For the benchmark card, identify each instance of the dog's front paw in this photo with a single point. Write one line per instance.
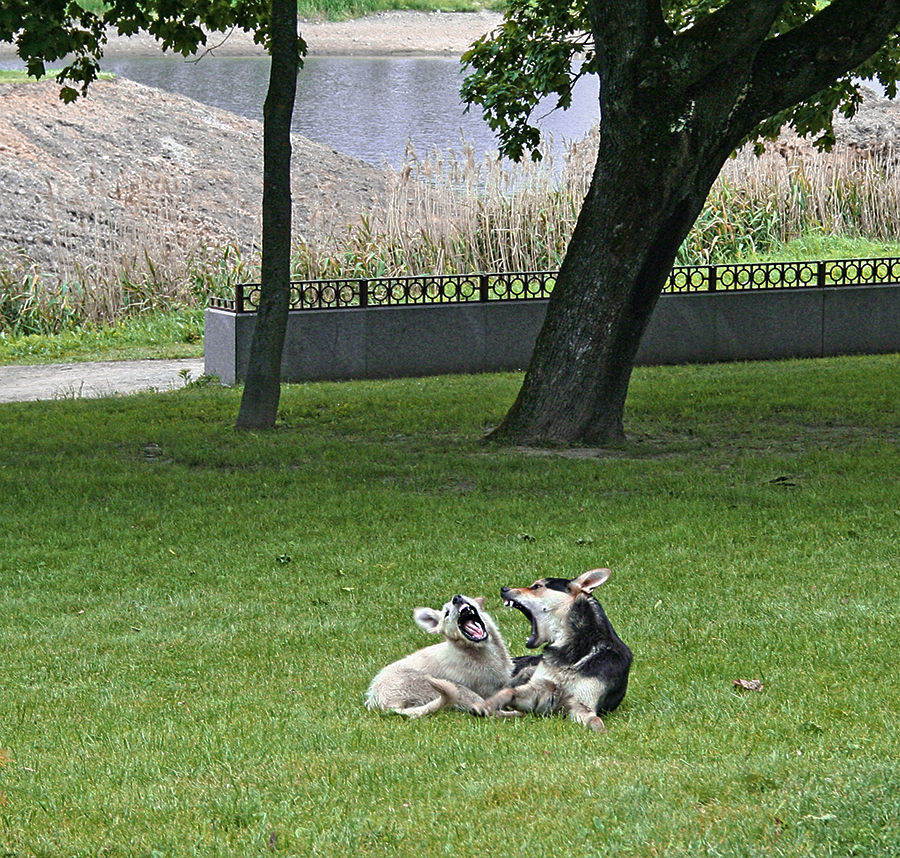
(482, 710)
(497, 701)
(596, 724)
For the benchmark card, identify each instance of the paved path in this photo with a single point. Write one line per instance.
(76, 380)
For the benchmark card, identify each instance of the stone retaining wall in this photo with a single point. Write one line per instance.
(493, 336)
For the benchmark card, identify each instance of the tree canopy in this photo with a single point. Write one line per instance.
(682, 85)
(45, 31)
(544, 46)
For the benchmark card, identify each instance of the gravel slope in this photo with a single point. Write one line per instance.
(131, 164)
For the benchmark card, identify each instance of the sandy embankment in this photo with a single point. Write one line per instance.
(80, 184)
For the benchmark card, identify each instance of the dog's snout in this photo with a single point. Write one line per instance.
(457, 599)
(504, 592)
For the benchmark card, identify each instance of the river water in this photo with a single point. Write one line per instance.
(365, 107)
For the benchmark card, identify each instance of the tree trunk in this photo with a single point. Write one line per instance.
(673, 107)
(654, 170)
(262, 385)
(616, 266)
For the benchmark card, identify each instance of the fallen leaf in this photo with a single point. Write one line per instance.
(749, 684)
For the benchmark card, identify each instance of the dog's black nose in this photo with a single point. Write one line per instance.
(457, 599)
(503, 592)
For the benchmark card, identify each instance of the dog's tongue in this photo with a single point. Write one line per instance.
(475, 631)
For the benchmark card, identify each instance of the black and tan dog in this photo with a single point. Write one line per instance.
(583, 669)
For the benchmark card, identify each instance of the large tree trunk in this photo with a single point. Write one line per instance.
(673, 106)
(655, 166)
(617, 263)
(262, 386)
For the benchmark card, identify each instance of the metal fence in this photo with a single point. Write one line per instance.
(530, 285)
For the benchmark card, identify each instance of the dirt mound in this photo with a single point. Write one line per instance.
(133, 166)
(873, 131)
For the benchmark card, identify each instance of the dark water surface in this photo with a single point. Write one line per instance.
(366, 107)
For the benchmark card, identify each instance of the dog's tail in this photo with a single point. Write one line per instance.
(456, 696)
(448, 697)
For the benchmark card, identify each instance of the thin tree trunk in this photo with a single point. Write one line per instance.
(262, 386)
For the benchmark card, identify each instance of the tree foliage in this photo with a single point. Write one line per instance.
(544, 46)
(45, 31)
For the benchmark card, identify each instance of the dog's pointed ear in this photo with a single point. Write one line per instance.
(428, 618)
(589, 581)
(479, 600)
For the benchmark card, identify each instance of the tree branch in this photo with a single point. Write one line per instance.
(733, 31)
(796, 65)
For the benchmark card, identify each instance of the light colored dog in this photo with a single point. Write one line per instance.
(471, 663)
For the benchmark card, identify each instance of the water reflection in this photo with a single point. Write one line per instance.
(366, 107)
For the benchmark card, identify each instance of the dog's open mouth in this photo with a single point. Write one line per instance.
(531, 643)
(470, 624)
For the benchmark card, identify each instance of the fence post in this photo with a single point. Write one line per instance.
(820, 274)
(713, 278)
(239, 298)
(363, 293)
(483, 287)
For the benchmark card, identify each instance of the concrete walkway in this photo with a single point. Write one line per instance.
(77, 380)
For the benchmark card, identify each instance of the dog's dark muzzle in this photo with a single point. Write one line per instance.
(508, 595)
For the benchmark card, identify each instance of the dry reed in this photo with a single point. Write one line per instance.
(445, 213)
(448, 213)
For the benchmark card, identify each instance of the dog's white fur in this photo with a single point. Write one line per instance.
(457, 672)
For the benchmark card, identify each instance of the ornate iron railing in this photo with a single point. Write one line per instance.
(530, 285)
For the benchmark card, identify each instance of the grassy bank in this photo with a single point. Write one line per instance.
(191, 616)
(163, 334)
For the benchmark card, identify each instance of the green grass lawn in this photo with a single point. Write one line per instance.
(191, 615)
(146, 336)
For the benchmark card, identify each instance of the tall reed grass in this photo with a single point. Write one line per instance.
(454, 213)
(760, 203)
(450, 213)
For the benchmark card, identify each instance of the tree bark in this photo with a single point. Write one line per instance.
(673, 107)
(262, 386)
